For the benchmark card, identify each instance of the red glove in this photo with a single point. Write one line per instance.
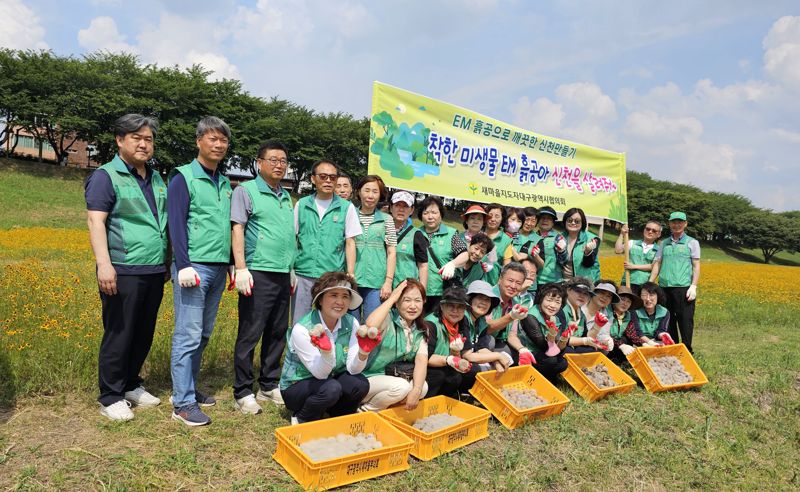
(459, 364)
(487, 267)
(319, 338)
(561, 243)
(602, 346)
(231, 277)
(526, 357)
(600, 319)
(518, 312)
(572, 328)
(666, 339)
(535, 251)
(367, 344)
(551, 325)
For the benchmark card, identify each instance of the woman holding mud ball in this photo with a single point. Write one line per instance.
(582, 247)
(397, 368)
(580, 291)
(653, 316)
(444, 244)
(541, 338)
(326, 352)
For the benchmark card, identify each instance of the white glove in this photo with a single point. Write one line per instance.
(590, 246)
(292, 281)
(508, 359)
(244, 281)
(448, 270)
(627, 349)
(691, 293)
(188, 277)
(561, 244)
(609, 344)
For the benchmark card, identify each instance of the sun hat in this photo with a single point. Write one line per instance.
(547, 211)
(355, 297)
(605, 286)
(636, 301)
(473, 209)
(677, 216)
(485, 289)
(581, 284)
(403, 196)
(455, 295)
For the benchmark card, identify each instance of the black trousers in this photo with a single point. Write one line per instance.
(549, 367)
(264, 316)
(681, 315)
(129, 322)
(443, 381)
(310, 398)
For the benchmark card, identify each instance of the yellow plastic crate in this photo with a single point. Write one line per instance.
(430, 445)
(638, 360)
(487, 391)
(584, 386)
(392, 457)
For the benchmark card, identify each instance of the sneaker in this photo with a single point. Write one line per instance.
(248, 405)
(201, 399)
(273, 395)
(296, 421)
(120, 411)
(191, 415)
(142, 398)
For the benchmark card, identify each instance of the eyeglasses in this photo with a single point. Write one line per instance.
(275, 161)
(573, 221)
(650, 229)
(327, 177)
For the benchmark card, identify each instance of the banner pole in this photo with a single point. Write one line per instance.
(627, 259)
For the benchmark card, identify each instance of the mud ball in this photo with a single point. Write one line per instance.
(669, 370)
(523, 399)
(437, 421)
(328, 448)
(599, 376)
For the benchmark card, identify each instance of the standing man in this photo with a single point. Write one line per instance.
(677, 266)
(264, 250)
(642, 254)
(326, 227)
(412, 244)
(126, 202)
(199, 209)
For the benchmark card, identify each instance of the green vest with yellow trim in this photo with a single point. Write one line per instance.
(269, 238)
(134, 236)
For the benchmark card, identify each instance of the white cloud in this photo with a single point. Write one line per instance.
(786, 135)
(588, 100)
(782, 51)
(20, 27)
(272, 24)
(541, 116)
(353, 21)
(102, 34)
(651, 125)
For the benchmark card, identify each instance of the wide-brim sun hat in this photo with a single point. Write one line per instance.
(473, 209)
(605, 286)
(636, 301)
(580, 284)
(355, 297)
(547, 211)
(455, 295)
(485, 289)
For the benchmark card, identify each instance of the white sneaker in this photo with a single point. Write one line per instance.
(141, 398)
(120, 411)
(273, 395)
(295, 421)
(248, 405)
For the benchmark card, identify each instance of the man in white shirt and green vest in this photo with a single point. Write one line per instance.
(199, 210)
(677, 267)
(264, 250)
(326, 227)
(126, 202)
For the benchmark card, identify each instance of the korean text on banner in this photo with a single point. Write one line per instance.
(428, 146)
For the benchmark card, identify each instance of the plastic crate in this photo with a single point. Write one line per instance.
(638, 360)
(392, 457)
(487, 391)
(430, 445)
(584, 386)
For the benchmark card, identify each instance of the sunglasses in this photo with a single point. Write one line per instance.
(650, 229)
(327, 177)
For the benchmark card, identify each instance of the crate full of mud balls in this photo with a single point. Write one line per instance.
(667, 368)
(594, 376)
(439, 425)
(518, 395)
(337, 451)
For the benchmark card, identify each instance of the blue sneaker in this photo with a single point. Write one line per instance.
(204, 400)
(191, 415)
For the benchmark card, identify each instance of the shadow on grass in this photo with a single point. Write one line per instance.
(754, 258)
(8, 388)
(43, 169)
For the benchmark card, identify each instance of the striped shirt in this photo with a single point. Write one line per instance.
(391, 233)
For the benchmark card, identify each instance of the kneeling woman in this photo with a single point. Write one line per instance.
(624, 328)
(397, 368)
(653, 316)
(325, 356)
(541, 338)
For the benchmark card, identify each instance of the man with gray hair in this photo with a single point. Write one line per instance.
(126, 202)
(509, 311)
(199, 210)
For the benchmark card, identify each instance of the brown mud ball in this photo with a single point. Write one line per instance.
(523, 398)
(599, 376)
(669, 370)
(328, 448)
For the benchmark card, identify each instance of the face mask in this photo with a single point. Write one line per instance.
(513, 227)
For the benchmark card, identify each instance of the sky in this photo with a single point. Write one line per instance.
(704, 93)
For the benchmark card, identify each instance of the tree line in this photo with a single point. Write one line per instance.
(62, 99)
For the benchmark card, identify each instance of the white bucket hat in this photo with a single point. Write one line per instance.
(355, 297)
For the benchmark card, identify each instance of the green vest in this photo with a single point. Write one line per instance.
(676, 263)
(293, 369)
(476, 328)
(578, 270)
(550, 271)
(639, 257)
(567, 310)
(209, 222)
(529, 240)
(371, 253)
(442, 336)
(134, 236)
(393, 347)
(498, 313)
(441, 244)
(501, 243)
(406, 261)
(269, 238)
(648, 326)
(618, 329)
(320, 243)
(474, 273)
(527, 342)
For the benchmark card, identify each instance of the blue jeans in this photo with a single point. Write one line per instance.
(195, 314)
(372, 299)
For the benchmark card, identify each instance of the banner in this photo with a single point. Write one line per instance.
(428, 146)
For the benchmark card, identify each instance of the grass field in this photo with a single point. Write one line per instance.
(741, 431)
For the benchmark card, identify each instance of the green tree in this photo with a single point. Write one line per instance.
(768, 232)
